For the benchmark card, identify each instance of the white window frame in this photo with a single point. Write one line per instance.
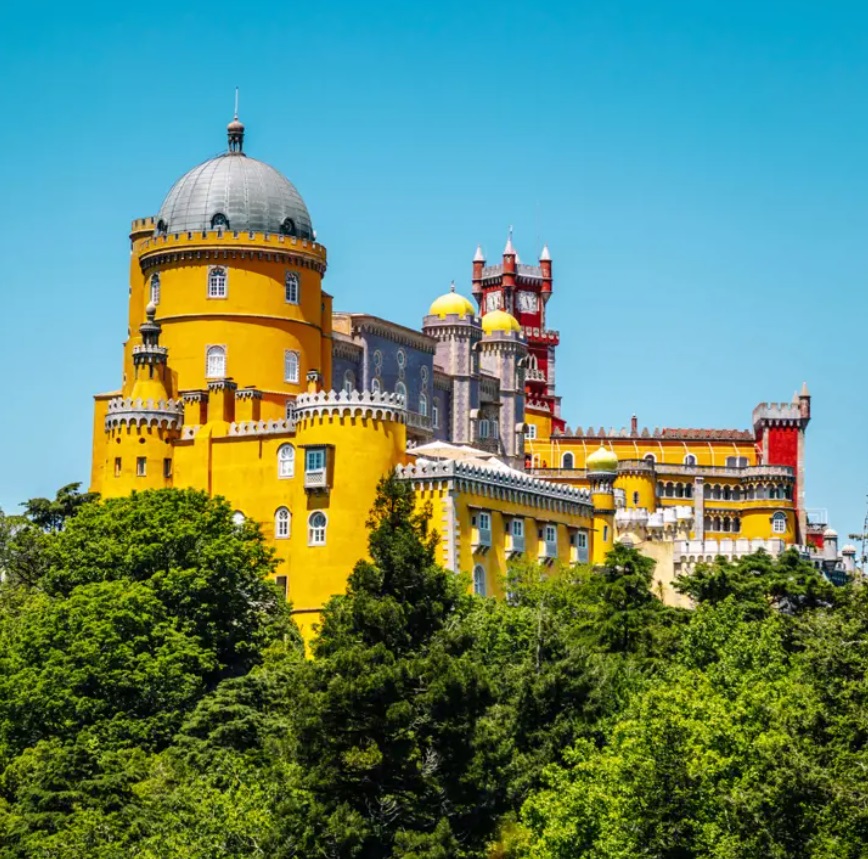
(141, 466)
(155, 288)
(289, 414)
(285, 461)
(376, 387)
(218, 282)
(581, 540)
(292, 287)
(531, 432)
(516, 527)
(779, 523)
(214, 351)
(291, 360)
(484, 520)
(550, 534)
(401, 391)
(349, 381)
(316, 534)
(317, 454)
(423, 405)
(282, 523)
(435, 415)
(479, 580)
(483, 428)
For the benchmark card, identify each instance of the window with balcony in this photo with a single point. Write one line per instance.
(515, 536)
(551, 534)
(316, 529)
(285, 461)
(315, 468)
(481, 523)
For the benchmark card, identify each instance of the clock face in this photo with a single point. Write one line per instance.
(527, 301)
(494, 301)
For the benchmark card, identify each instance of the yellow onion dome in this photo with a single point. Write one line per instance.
(602, 459)
(452, 304)
(499, 320)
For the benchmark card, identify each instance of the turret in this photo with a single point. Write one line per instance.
(478, 265)
(830, 545)
(545, 264)
(602, 468)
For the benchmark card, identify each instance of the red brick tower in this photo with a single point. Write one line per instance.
(780, 434)
(524, 291)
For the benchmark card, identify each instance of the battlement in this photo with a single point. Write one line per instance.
(370, 404)
(251, 428)
(231, 239)
(777, 412)
(497, 478)
(541, 335)
(138, 224)
(130, 412)
(666, 433)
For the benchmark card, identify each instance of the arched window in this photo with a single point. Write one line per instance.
(287, 228)
(779, 523)
(155, 289)
(435, 415)
(716, 493)
(316, 529)
(290, 287)
(688, 490)
(726, 524)
(479, 580)
(706, 492)
(376, 387)
(217, 282)
(568, 461)
(237, 518)
(290, 366)
(717, 523)
(219, 222)
(290, 410)
(649, 458)
(349, 381)
(401, 391)
(162, 228)
(727, 493)
(736, 525)
(690, 459)
(423, 405)
(670, 491)
(679, 490)
(661, 489)
(282, 523)
(285, 461)
(215, 362)
(401, 358)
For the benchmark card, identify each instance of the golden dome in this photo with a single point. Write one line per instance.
(452, 304)
(602, 459)
(499, 320)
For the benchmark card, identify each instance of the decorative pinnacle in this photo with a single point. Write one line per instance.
(151, 311)
(509, 249)
(805, 390)
(545, 256)
(235, 130)
(452, 286)
(479, 256)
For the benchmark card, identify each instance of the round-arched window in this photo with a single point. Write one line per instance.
(779, 523)
(285, 461)
(215, 362)
(282, 523)
(568, 461)
(219, 221)
(287, 228)
(479, 580)
(401, 391)
(316, 529)
(690, 459)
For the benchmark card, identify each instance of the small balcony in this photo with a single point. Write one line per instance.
(317, 480)
(548, 550)
(481, 539)
(515, 544)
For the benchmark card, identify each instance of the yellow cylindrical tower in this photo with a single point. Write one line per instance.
(141, 427)
(602, 471)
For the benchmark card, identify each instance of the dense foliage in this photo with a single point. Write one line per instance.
(155, 702)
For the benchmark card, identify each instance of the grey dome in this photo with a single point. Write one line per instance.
(249, 194)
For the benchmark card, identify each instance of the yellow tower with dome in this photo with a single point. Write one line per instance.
(229, 386)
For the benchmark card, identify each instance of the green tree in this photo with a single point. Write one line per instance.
(53, 514)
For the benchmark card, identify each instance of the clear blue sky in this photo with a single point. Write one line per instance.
(698, 170)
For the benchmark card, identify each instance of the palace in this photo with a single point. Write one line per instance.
(240, 379)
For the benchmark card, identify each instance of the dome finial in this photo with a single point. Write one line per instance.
(452, 286)
(235, 130)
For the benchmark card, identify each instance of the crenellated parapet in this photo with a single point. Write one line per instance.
(368, 404)
(220, 245)
(509, 484)
(256, 428)
(778, 414)
(129, 412)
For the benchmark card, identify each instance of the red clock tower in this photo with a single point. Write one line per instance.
(524, 291)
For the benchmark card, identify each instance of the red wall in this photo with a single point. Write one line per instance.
(783, 446)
